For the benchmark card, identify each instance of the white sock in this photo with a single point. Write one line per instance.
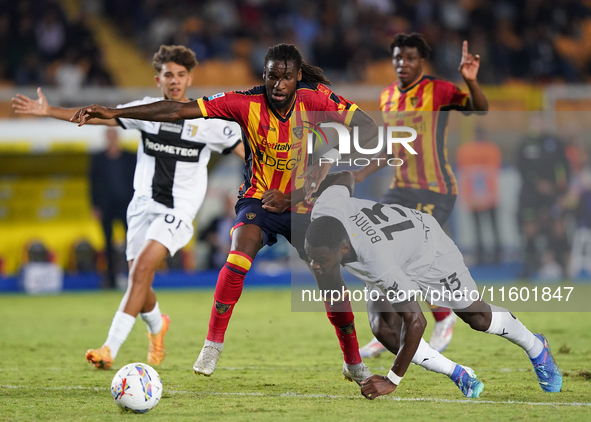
(504, 324)
(219, 346)
(120, 329)
(432, 360)
(153, 319)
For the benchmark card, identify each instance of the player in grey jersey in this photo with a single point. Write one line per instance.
(169, 184)
(399, 252)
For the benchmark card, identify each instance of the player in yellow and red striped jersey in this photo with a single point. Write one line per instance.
(272, 116)
(276, 153)
(425, 181)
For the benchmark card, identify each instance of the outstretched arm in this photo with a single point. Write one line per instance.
(413, 327)
(159, 111)
(40, 107)
(368, 128)
(376, 164)
(469, 69)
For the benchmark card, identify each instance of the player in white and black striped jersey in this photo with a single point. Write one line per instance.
(169, 183)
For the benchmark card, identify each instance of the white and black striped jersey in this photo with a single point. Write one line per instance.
(172, 157)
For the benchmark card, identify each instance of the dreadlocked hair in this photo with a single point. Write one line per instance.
(174, 53)
(326, 232)
(412, 40)
(289, 53)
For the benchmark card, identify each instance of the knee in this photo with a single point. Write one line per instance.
(140, 272)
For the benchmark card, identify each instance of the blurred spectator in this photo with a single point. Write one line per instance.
(306, 26)
(23, 45)
(516, 39)
(80, 37)
(161, 30)
(446, 55)
(578, 200)
(43, 47)
(329, 51)
(544, 171)
(29, 71)
(263, 40)
(544, 63)
(217, 234)
(479, 163)
(5, 39)
(191, 35)
(70, 74)
(97, 74)
(51, 35)
(580, 257)
(111, 186)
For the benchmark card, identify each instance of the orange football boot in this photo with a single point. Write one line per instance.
(156, 351)
(101, 358)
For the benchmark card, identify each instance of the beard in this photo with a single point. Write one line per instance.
(278, 105)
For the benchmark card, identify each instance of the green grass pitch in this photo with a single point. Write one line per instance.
(276, 365)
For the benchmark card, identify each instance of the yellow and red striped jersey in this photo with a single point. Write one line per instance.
(276, 153)
(419, 107)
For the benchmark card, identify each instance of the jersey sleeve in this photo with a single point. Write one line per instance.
(334, 107)
(137, 124)
(453, 96)
(223, 135)
(226, 105)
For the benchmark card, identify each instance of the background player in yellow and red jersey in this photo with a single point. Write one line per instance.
(425, 182)
(271, 115)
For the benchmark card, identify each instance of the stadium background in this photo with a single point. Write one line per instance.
(536, 58)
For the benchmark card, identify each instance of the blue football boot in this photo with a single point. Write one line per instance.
(547, 371)
(466, 380)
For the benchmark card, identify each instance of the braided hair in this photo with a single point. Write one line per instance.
(289, 53)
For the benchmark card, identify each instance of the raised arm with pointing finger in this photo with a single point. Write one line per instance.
(425, 181)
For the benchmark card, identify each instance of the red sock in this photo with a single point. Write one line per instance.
(341, 316)
(440, 313)
(227, 292)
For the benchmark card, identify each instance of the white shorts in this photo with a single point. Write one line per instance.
(149, 220)
(447, 282)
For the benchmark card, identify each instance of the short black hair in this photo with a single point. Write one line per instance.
(326, 232)
(412, 40)
(178, 54)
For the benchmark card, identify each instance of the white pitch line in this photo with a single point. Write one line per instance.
(319, 396)
(281, 368)
(425, 399)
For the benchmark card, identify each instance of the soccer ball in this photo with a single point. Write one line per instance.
(136, 387)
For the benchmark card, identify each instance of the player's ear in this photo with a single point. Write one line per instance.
(157, 80)
(190, 79)
(345, 248)
(265, 74)
(299, 75)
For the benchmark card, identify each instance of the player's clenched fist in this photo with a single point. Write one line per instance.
(376, 386)
(91, 112)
